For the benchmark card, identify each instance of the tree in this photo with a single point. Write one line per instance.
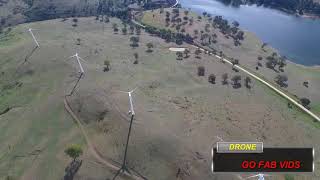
(201, 71)
(235, 61)
(78, 41)
(131, 29)
(138, 30)
(136, 56)
(107, 65)
(282, 63)
(271, 62)
(149, 46)
(305, 102)
(281, 79)
(197, 53)
(74, 151)
(186, 53)
(115, 27)
(134, 41)
(248, 82)
(236, 81)
(225, 78)
(124, 30)
(212, 78)
(107, 20)
(235, 23)
(179, 55)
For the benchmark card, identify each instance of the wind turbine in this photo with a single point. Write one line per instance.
(131, 110)
(34, 38)
(260, 176)
(132, 113)
(78, 58)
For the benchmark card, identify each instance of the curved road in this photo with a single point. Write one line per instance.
(267, 84)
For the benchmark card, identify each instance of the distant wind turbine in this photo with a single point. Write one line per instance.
(78, 58)
(34, 38)
(260, 176)
(132, 113)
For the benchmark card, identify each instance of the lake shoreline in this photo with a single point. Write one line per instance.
(287, 29)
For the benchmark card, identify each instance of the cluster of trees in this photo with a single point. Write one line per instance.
(227, 29)
(236, 79)
(134, 41)
(149, 4)
(275, 60)
(170, 36)
(282, 80)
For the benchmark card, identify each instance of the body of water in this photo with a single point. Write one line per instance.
(295, 37)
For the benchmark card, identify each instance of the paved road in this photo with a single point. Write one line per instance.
(257, 78)
(269, 85)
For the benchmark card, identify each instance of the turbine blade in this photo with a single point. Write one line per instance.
(71, 57)
(219, 138)
(133, 90)
(124, 92)
(252, 176)
(82, 60)
(240, 177)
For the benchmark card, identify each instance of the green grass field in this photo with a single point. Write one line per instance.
(179, 114)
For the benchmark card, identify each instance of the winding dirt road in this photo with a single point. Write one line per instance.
(92, 148)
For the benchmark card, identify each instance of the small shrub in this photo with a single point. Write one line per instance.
(212, 78)
(201, 71)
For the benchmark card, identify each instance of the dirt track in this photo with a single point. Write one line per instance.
(93, 150)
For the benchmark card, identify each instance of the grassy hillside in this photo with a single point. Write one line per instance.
(19, 11)
(178, 113)
(248, 52)
(36, 129)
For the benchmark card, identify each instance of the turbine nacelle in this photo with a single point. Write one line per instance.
(79, 63)
(131, 110)
(33, 37)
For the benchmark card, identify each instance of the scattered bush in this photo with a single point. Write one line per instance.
(248, 82)
(212, 78)
(201, 71)
(225, 78)
(236, 81)
(74, 151)
(305, 102)
(282, 80)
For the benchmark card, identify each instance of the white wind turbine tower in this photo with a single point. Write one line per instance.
(132, 113)
(78, 58)
(34, 38)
